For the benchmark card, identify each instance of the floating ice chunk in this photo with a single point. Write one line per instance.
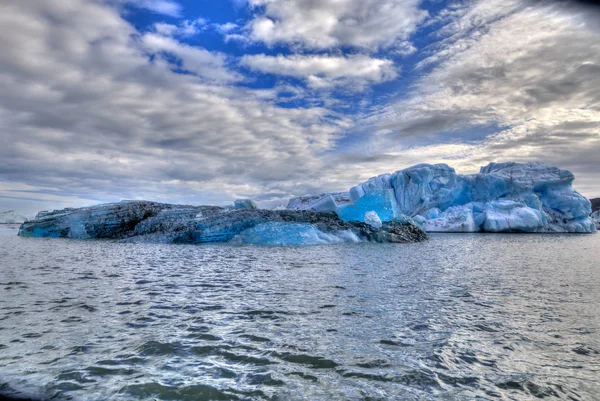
(382, 202)
(245, 204)
(281, 233)
(372, 219)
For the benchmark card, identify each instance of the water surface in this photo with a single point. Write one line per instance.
(459, 317)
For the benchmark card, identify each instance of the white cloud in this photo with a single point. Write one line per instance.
(186, 28)
(322, 71)
(92, 110)
(83, 109)
(367, 24)
(166, 29)
(226, 27)
(207, 65)
(531, 68)
(236, 37)
(165, 7)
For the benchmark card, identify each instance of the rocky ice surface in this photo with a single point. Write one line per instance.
(12, 217)
(503, 197)
(140, 221)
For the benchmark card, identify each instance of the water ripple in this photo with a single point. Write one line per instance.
(459, 317)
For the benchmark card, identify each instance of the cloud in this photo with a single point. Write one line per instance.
(165, 7)
(226, 27)
(211, 66)
(186, 28)
(367, 24)
(322, 71)
(93, 110)
(530, 68)
(85, 110)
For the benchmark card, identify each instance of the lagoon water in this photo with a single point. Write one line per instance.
(458, 317)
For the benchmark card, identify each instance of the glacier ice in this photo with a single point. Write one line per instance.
(279, 233)
(455, 219)
(245, 204)
(382, 201)
(372, 219)
(506, 216)
(142, 221)
(12, 217)
(596, 219)
(319, 203)
(324, 204)
(503, 197)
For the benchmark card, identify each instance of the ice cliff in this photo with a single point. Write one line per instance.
(140, 221)
(503, 197)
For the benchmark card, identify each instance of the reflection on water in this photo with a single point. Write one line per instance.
(455, 318)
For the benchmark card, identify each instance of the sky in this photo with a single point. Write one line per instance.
(206, 101)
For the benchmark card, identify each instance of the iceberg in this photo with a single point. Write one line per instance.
(396, 207)
(502, 197)
(142, 221)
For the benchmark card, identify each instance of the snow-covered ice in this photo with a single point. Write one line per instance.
(12, 217)
(372, 219)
